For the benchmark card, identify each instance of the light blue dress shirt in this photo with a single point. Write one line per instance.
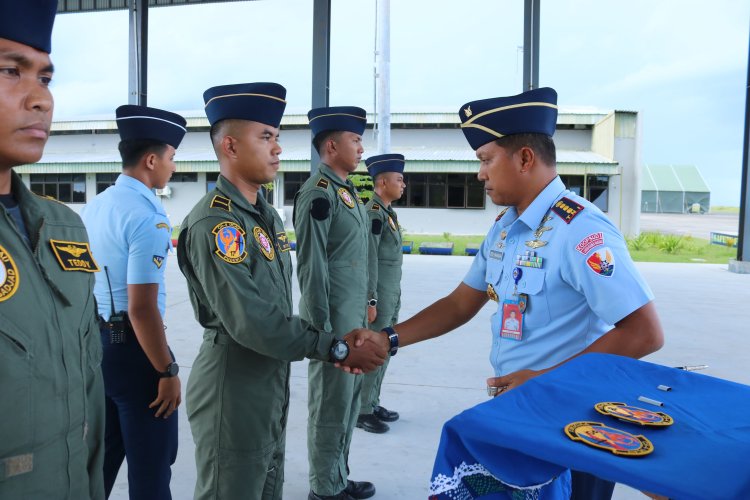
(130, 235)
(586, 284)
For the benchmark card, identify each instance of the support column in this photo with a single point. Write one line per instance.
(138, 52)
(530, 44)
(321, 62)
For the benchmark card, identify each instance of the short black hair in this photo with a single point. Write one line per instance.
(542, 144)
(322, 137)
(132, 150)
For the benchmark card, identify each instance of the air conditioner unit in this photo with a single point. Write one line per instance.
(166, 192)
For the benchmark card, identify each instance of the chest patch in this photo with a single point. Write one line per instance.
(567, 209)
(392, 224)
(8, 275)
(602, 262)
(264, 242)
(283, 241)
(346, 197)
(230, 242)
(74, 256)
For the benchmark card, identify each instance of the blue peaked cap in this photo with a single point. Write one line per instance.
(142, 122)
(390, 162)
(28, 22)
(337, 118)
(532, 112)
(262, 102)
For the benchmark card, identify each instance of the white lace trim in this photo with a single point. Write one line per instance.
(455, 489)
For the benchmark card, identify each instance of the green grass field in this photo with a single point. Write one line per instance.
(648, 247)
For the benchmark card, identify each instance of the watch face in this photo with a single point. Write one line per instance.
(173, 369)
(340, 350)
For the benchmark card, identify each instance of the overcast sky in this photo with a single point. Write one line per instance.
(681, 63)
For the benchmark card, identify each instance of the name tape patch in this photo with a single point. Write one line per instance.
(74, 256)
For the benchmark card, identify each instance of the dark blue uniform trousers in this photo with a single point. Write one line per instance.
(132, 430)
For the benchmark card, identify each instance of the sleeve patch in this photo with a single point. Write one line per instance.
(222, 203)
(230, 242)
(320, 208)
(162, 225)
(590, 242)
(322, 183)
(377, 226)
(567, 209)
(602, 262)
(158, 260)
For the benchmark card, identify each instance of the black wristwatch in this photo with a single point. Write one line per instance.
(392, 339)
(339, 351)
(372, 302)
(172, 370)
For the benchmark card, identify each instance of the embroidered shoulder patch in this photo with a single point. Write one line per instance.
(266, 247)
(8, 275)
(221, 202)
(74, 256)
(322, 183)
(375, 207)
(158, 260)
(590, 242)
(602, 262)
(230, 242)
(500, 215)
(346, 197)
(283, 241)
(162, 225)
(567, 209)
(601, 436)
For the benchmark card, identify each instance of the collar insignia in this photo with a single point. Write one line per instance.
(619, 442)
(8, 275)
(74, 256)
(264, 242)
(392, 224)
(230, 242)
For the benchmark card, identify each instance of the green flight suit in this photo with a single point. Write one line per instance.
(331, 229)
(238, 390)
(51, 387)
(384, 258)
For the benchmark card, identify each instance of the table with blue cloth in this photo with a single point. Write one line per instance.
(514, 445)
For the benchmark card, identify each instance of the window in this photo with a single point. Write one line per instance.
(442, 191)
(598, 186)
(184, 177)
(292, 183)
(67, 188)
(211, 178)
(103, 181)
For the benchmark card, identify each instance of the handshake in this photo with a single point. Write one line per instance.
(367, 351)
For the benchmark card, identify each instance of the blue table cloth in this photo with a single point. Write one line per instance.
(517, 439)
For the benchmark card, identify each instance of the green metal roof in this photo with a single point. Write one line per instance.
(677, 178)
(67, 6)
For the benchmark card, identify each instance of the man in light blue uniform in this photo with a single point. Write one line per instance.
(552, 259)
(131, 237)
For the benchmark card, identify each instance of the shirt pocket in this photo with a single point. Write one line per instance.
(15, 391)
(493, 273)
(537, 309)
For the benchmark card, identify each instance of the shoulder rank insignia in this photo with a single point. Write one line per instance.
(500, 215)
(222, 203)
(619, 442)
(346, 197)
(264, 242)
(158, 260)
(322, 183)
(8, 275)
(375, 207)
(74, 256)
(283, 241)
(230, 242)
(634, 414)
(566, 209)
(162, 225)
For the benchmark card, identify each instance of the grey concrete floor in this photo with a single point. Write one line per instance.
(703, 308)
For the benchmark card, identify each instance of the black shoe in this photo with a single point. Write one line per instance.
(359, 489)
(341, 496)
(371, 423)
(385, 415)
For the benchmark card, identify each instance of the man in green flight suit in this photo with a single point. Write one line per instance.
(51, 388)
(385, 256)
(235, 255)
(331, 226)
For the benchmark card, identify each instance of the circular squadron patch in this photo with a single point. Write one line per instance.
(619, 442)
(8, 275)
(266, 247)
(634, 414)
(346, 197)
(230, 242)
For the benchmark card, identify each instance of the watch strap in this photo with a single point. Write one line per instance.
(392, 339)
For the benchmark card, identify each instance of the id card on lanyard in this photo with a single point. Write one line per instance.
(511, 325)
